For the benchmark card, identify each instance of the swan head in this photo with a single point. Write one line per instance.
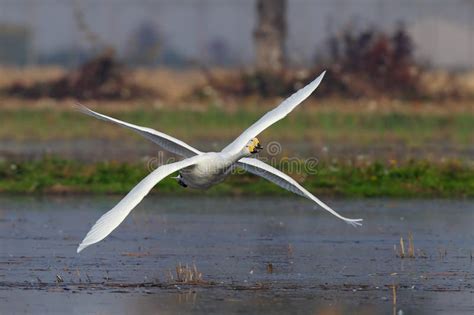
(253, 147)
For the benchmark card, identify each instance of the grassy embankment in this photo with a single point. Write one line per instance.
(415, 179)
(308, 125)
(311, 125)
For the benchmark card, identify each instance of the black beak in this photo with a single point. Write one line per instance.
(257, 148)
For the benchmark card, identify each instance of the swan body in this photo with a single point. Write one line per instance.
(202, 170)
(209, 172)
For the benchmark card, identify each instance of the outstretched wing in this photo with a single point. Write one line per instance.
(279, 178)
(168, 143)
(273, 116)
(110, 220)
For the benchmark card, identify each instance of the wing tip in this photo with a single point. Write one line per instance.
(80, 248)
(321, 76)
(83, 246)
(354, 222)
(78, 104)
(315, 83)
(81, 108)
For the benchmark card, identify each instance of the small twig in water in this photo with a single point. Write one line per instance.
(78, 273)
(270, 268)
(394, 295)
(394, 298)
(411, 248)
(187, 274)
(59, 279)
(443, 252)
(402, 248)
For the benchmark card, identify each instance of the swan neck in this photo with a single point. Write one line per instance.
(235, 157)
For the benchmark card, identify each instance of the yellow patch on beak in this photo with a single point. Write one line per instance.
(254, 145)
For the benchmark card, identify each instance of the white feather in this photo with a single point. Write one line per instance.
(274, 115)
(167, 142)
(210, 165)
(279, 178)
(110, 220)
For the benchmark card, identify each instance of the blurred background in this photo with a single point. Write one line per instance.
(388, 133)
(399, 88)
(223, 33)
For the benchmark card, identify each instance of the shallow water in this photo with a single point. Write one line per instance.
(319, 264)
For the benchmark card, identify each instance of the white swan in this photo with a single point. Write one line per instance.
(202, 170)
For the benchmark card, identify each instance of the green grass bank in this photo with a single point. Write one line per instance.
(412, 179)
(306, 124)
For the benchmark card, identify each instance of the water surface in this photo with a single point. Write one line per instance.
(318, 263)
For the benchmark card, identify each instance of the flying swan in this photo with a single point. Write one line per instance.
(204, 169)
